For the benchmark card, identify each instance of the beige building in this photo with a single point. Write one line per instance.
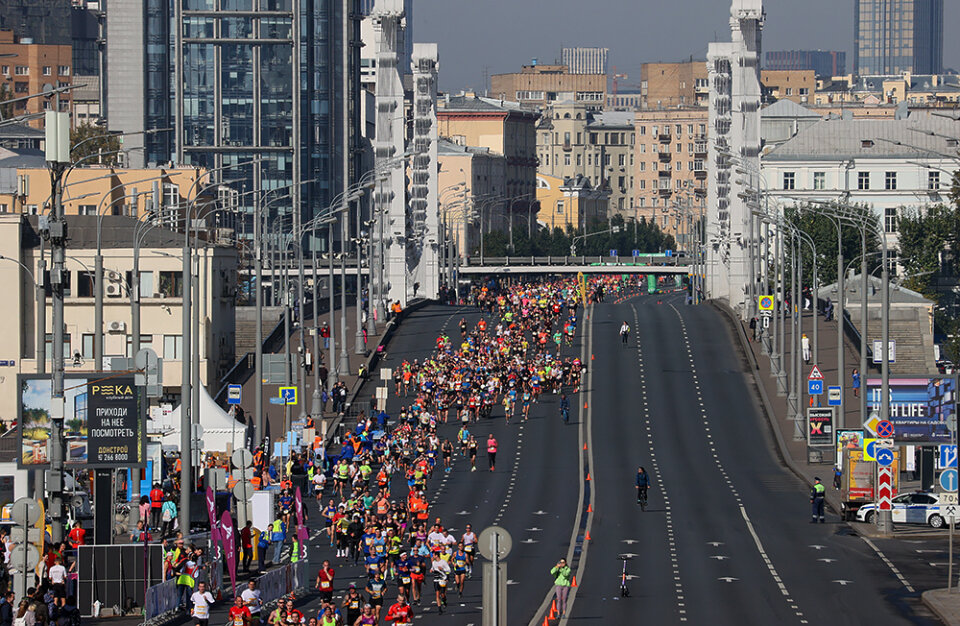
(103, 190)
(161, 301)
(505, 129)
(918, 90)
(574, 141)
(26, 67)
(472, 184)
(671, 168)
(666, 85)
(571, 203)
(800, 86)
(538, 86)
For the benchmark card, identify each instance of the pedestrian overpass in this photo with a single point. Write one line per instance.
(661, 265)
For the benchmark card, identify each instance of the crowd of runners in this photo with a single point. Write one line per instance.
(375, 504)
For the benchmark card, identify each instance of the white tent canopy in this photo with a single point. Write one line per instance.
(219, 427)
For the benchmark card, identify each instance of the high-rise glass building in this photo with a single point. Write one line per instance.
(235, 81)
(894, 36)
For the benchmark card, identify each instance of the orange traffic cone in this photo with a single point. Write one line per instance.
(589, 508)
(587, 537)
(574, 583)
(584, 446)
(584, 405)
(592, 357)
(588, 475)
(553, 610)
(546, 621)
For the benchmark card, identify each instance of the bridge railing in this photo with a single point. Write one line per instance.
(501, 261)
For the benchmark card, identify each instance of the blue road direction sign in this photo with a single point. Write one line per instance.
(668, 253)
(233, 394)
(288, 395)
(884, 457)
(277, 401)
(614, 252)
(948, 479)
(636, 253)
(948, 455)
(814, 387)
(834, 396)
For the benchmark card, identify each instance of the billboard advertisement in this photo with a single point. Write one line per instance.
(101, 426)
(920, 407)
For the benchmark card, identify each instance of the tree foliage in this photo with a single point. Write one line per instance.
(631, 235)
(929, 243)
(814, 220)
(91, 140)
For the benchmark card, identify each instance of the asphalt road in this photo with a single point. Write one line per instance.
(726, 538)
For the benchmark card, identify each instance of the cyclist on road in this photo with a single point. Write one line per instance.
(624, 332)
(643, 483)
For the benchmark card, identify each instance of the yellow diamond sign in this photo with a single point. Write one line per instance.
(871, 424)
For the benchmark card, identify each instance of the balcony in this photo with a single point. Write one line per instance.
(664, 137)
(665, 192)
(700, 174)
(664, 157)
(700, 149)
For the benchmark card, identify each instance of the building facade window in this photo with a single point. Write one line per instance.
(819, 181)
(47, 70)
(64, 70)
(890, 181)
(890, 220)
(863, 181)
(933, 180)
(789, 181)
(21, 70)
(172, 347)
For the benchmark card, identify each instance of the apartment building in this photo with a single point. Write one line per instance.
(537, 86)
(666, 85)
(28, 68)
(573, 140)
(505, 128)
(670, 164)
(800, 86)
(570, 203)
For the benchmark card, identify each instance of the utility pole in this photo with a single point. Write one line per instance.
(58, 159)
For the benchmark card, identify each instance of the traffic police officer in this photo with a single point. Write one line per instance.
(817, 493)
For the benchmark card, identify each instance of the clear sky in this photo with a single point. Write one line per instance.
(499, 36)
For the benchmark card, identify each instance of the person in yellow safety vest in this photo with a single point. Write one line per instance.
(278, 532)
(186, 579)
(817, 496)
(295, 553)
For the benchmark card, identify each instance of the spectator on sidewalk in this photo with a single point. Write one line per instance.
(856, 382)
(805, 346)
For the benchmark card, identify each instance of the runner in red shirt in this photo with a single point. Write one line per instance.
(325, 582)
(401, 613)
(239, 614)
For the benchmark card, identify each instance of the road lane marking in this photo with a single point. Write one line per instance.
(890, 564)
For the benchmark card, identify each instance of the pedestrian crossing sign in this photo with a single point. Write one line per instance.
(765, 303)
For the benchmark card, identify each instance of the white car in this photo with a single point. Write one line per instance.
(908, 508)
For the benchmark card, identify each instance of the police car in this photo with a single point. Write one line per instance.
(908, 508)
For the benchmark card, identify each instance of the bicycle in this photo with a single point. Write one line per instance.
(642, 498)
(624, 591)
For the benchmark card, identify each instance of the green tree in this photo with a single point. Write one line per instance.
(815, 221)
(6, 110)
(94, 140)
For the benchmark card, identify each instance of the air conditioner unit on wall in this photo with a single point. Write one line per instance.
(117, 326)
(113, 290)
